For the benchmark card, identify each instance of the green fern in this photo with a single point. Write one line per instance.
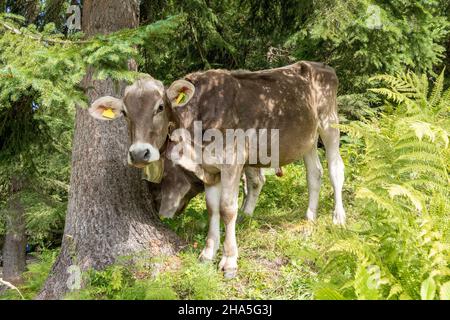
(412, 91)
(403, 191)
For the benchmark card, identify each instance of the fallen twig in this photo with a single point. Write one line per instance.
(11, 286)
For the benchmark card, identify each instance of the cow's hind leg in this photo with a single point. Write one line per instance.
(314, 173)
(330, 137)
(230, 178)
(212, 193)
(254, 181)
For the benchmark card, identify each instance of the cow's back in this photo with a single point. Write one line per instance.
(290, 99)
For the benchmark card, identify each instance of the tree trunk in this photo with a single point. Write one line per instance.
(110, 211)
(27, 8)
(54, 12)
(14, 247)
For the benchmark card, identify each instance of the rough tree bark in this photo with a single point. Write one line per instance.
(110, 211)
(54, 12)
(14, 253)
(27, 8)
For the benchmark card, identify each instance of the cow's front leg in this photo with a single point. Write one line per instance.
(212, 193)
(230, 178)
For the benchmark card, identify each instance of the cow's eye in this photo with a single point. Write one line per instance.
(160, 108)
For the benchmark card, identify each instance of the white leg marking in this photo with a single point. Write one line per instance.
(254, 181)
(314, 173)
(330, 137)
(228, 263)
(230, 177)
(213, 239)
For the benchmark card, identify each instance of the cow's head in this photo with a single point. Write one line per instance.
(147, 106)
(173, 194)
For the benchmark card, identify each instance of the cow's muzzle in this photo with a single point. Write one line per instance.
(140, 154)
(166, 215)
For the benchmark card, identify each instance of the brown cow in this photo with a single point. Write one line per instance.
(297, 102)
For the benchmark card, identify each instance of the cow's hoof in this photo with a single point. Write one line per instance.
(311, 215)
(203, 259)
(229, 266)
(339, 217)
(206, 257)
(243, 217)
(230, 274)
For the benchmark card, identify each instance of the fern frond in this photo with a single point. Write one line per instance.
(391, 94)
(444, 103)
(417, 200)
(417, 169)
(328, 294)
(428, 184)
(396, 290)
(381, 202)
(398, 82)
(436, 93)
(410, 145)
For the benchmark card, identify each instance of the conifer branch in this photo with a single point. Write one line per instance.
(39, 38)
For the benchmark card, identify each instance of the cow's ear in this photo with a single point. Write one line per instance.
(106, 108)
(180, 92)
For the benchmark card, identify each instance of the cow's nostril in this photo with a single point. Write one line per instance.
(147, 155)
(140, 154)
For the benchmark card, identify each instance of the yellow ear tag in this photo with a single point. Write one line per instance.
(181, 97)
(108, 113)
